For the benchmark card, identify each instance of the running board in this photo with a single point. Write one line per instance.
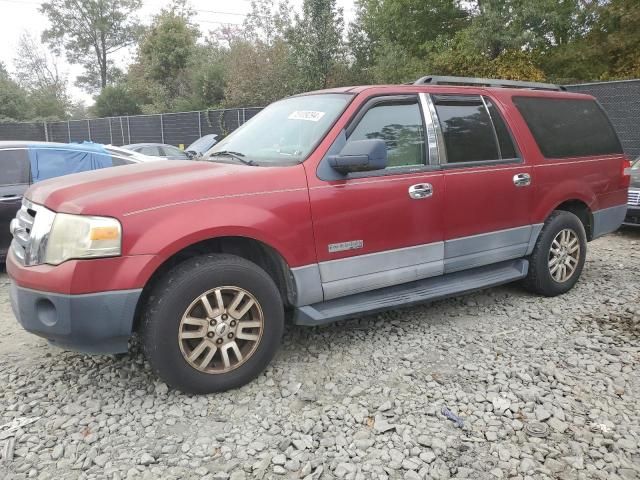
(413, 293)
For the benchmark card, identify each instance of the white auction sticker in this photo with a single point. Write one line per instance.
(308, 115)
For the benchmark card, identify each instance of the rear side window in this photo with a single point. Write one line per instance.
(473, 129)
(14, 167)
(568, 127)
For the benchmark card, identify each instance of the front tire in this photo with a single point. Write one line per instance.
(558, 257)
(212, 323)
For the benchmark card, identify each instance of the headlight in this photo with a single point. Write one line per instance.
(79, 236)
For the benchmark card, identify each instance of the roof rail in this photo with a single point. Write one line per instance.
(485, 82)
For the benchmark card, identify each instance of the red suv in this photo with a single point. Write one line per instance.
(325, 206)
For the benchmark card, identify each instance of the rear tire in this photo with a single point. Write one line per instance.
(558, 257)
(212, 323)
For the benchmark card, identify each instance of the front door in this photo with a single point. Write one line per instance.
(375, 229)
(14, 181)
(488, 199)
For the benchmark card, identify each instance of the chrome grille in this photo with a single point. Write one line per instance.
(30, 230)
(634, 198)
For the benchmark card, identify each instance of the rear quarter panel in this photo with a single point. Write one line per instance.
(594, 180)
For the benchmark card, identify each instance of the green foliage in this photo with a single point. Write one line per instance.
(13, 99)
(167, 46)
(90, 31)
(279, 52)
(316, 43)
(114, 101)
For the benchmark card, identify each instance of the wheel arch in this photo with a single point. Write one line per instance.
(581, 210)
(256, 251)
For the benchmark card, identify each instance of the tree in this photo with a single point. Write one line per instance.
(38, 73)
(167, 47)
(115, 101)
(90, 31)
(13, 99)
(316, 42)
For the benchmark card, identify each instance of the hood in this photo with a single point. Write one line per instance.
(635, 178)
(132, 188)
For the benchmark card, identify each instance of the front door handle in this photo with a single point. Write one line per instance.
(522, 180)
(420, 191)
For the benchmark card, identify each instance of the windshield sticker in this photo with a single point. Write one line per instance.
(308, 115)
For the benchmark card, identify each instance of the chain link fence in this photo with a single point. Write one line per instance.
(620, 99)
(173, 128)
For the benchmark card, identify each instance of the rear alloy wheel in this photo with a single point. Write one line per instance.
(564, 255)
(558, 256)
(212, 323)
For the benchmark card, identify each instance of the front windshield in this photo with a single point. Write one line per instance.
(636, 165)
(285, 132)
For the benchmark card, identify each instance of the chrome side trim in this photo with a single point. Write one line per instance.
(432, 138)
(308, 284)
(442, 152)
(608, 220)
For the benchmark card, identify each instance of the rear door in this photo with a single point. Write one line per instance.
(370, 231)
(488, 193)
(14, 181)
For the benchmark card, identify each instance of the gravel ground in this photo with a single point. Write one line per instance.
(545, 387)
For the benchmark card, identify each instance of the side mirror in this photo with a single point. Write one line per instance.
(360, 156)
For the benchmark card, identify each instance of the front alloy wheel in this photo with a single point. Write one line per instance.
(221, 329)
(212, 323)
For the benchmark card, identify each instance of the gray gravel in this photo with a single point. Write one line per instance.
(546, 388)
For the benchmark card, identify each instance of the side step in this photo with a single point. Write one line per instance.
(412, 293)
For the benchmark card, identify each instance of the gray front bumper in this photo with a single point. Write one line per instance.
(92, 323)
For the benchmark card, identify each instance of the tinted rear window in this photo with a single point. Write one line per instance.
(567, 127)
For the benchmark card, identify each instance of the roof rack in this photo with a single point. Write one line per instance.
(485, 82)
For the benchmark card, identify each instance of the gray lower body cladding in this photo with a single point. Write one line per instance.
(411, 293)
(92, 323)
(608, 220)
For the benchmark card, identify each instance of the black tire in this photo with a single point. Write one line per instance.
(174, 294)
(539, 279)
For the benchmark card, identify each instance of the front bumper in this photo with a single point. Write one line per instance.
(633, 217)
(93, 323)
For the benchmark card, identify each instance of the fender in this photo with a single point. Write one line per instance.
(164, 232)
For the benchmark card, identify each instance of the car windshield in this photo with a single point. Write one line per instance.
(285, 132)
(636, 165)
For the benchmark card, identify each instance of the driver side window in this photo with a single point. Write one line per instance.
(399, 124)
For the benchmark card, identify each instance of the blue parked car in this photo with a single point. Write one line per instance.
(24, 163)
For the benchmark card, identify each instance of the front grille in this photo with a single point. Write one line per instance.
(21, 228)
(30, 230)
(634, 198)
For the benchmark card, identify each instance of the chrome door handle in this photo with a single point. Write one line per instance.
(420, 191)
(522, 180)
(10, 198)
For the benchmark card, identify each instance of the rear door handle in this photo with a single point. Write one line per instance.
(522, 180)
(420, 191)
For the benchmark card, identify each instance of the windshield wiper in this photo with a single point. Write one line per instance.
(235, 155)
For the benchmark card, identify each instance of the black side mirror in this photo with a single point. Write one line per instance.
(360, 156)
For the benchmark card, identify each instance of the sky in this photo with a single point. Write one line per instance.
(18, 16)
